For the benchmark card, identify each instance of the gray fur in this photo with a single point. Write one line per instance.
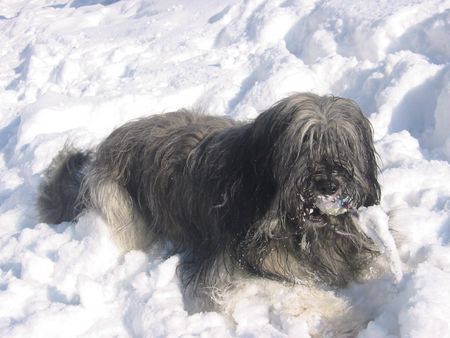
(235, 199)
(58, 197)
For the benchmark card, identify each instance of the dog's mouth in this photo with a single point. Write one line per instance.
(325, 207)
(314, 214)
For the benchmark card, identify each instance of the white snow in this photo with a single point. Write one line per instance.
(72, 70)
(374, 222)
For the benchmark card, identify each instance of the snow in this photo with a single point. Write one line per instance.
(374, 222)
(73, 70)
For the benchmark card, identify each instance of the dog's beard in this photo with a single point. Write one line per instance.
(329, 243)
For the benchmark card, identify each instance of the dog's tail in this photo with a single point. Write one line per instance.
(60, 198)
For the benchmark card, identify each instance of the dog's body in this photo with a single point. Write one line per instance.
(236, 199)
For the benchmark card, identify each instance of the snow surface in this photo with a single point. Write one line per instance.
(71, 71)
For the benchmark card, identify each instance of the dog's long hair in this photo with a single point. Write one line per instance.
(235, 199)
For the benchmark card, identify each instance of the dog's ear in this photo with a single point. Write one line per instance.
(270, 125)
(265, 134)
(276, 130)
(371, 160)
(372, 177)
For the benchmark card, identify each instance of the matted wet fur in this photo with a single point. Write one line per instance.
(236, 199)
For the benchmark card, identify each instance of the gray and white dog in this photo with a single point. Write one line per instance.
(273, 198)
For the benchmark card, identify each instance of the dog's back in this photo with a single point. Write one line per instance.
(128, 177)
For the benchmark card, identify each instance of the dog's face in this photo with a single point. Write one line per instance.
(324, 160)
(320, 192)
(328, 191)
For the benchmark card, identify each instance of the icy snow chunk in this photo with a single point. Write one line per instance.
(375, 223)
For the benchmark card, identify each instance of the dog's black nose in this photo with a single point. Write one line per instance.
(327, 187)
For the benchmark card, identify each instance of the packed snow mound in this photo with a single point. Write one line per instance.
(73, 70)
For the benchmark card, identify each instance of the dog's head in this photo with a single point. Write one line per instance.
(322, 158)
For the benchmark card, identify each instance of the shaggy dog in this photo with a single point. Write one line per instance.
(274, 198)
